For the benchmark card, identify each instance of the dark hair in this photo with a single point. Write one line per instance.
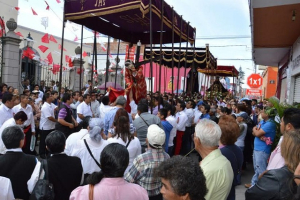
(241, 107)
(206, 107)
(54, 92)
(114, 160)
(74, 93)
(105, 100)
(56, 142)
(46, 96)
(142, 107)
(86, 96)
(163, 112)
(7, 97)
(170, 108)
(1, 86)
(182, 104)
(66, 97)
(21, 115)
(230, 130)
(255, 100)
(11, 137)
(85, 122)
(122, 126)
(160, 100)
(226, 110)
(184, 175)
(292, 116)
(193, 103)
(36, 85)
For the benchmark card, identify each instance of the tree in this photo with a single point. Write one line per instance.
(241, 76)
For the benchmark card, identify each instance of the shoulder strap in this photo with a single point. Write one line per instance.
(144, 120)
(45, 166)
(88, 148)
(128, 143)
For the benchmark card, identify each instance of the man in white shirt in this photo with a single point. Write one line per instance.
(47, 123)
(29, 125)
(187, 137)
(18, 119)
(84, 109)
(104, 106)
(172, 120)
(37, 100)
(6, 107)
(22, 169)
(197, 113)
(77, 99)
(41, 93)
(181, 118)
(95, 105)
(75, 137)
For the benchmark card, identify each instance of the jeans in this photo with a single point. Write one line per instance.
(260, 164)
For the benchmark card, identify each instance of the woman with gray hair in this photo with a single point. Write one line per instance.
(90, 147)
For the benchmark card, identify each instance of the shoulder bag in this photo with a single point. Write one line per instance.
(90, 152)
(43, 190)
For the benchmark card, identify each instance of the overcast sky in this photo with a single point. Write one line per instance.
(212, 19)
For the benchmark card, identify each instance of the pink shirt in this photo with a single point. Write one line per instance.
(111, 189)
(276, 160)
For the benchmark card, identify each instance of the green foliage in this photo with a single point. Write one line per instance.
(280, 107)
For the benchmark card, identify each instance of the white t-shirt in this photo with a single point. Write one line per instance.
(47, 111)
(7, 123)
(85, 110)
(73, 139)
(88, 164)
(5, 113)
(134, 148)
(172, 120)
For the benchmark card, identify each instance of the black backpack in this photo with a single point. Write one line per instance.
(43, 190)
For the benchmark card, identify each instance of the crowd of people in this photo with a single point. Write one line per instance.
(90, 147)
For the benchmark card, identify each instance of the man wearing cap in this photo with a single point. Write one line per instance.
(264, 134)
(141, 171)
(37, 98)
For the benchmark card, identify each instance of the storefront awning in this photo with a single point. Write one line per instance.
(128, 20)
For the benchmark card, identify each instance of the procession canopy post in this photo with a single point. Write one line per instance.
(185, 64)
(96, 53)
(92, 68)
(151, 54)
(193, 64)
(80, 76)
(179, 55)
(61, 52)
(107, 61)
(172, 78)
(161, 56)
(117, 65)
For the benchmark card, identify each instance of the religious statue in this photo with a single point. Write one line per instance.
(135, 81)
(216, 90)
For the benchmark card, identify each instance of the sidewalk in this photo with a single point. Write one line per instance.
(246, 178)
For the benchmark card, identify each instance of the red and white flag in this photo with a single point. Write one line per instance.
(33, 12)
(76, 39)
(103, 47)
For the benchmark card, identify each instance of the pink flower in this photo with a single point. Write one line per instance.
(267, 140)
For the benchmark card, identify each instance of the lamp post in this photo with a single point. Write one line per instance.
(28, 42)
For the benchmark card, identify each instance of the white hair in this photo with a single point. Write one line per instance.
(208, 132)
(96, 126)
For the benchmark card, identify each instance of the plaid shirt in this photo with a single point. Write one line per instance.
(141, 171)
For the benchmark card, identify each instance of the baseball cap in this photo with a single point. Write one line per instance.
(35, 91)
(244, 115)
(156, 136)
(199, 103)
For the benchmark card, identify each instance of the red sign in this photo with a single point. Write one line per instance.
(254, 81)
(254, 92)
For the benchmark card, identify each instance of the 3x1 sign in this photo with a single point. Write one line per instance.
(254, 80)
(254, 92)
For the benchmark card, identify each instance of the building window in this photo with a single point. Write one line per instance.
(272, 81)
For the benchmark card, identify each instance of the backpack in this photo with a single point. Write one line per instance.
(43, 190)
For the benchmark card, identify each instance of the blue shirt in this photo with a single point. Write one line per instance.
(269, 127)
(205, 116)
(167, 128)
(109, 119)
